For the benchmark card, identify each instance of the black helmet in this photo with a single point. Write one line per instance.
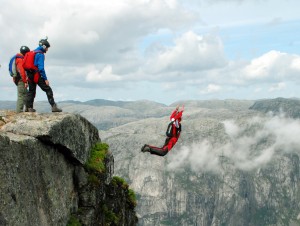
(44, 42)
(24, 50)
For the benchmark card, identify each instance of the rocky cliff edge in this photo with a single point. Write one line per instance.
(44, 178)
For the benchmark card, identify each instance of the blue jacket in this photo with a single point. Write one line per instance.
(39, 62)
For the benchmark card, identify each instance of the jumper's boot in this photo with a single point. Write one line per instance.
(56, 109)
(142, 149)
(145, 148)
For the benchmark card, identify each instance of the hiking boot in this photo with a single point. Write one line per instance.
(145, 148)
(30, 110)
(56, 109)
(142, 149)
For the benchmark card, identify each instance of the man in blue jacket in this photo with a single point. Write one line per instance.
(38, 77)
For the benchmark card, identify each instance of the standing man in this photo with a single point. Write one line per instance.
(34, 66)
(20, 79)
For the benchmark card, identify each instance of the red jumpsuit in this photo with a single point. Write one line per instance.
(170, 141)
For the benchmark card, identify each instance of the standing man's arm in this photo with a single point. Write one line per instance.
(39, 62)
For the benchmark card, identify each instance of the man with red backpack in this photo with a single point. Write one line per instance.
(173, 134)
(34, 67)
(19, 77)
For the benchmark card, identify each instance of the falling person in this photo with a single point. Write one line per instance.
(173, 133)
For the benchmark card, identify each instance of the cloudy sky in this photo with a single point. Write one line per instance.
(159, 50)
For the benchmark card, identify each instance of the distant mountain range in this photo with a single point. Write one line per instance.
(289, 107)
(107, 114)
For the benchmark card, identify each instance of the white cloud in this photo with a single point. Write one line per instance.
(251, 145)
(277, 87)
(261, 67)
(271, 67)
(295, 64)
(171, 85)
(191, 52)
(198, 157)
(92, 26)
(106, 75)
(258, 89)
(211, 88)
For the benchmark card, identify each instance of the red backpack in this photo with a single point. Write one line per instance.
(28, 62)
(28, 65)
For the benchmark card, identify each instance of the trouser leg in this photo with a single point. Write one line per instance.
(31, 91)
(47, 90)
(22, 92)
(170, 142)
(158, 151)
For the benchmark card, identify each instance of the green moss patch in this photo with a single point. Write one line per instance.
(110, 216)
(96, 160)
(120, 182)
(73, 221)
(93, 179)
(132, 198)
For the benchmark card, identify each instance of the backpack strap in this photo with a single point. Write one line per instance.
(169, 130)
(38, 51)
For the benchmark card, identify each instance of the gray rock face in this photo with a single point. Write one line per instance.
(230, 167)
(42, 177)
(71, 132)
(34, 179)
